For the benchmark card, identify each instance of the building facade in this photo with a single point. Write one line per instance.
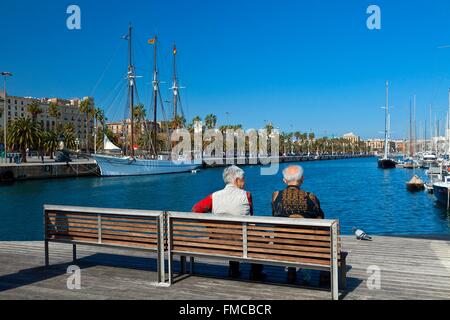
(351, 137)
(69, 113)
(124, 127)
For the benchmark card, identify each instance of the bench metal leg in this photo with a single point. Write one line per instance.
(74, 253)
(182, 264)
(47, 261)
(343, 274)
(192, 265)
(170, 267)
(334, 264)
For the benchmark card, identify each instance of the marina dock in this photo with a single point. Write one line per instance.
(410, 268)
(47, 170)
(85, 168)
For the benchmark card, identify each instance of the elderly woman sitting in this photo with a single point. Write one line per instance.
(232, 200)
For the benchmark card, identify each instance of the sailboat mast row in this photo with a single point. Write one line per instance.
(127, 164)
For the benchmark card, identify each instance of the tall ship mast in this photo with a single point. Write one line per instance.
(131, 86)
(386, 162)
(129, 164)
(155, 84)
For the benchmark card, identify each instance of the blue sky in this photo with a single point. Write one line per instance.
(305, 65)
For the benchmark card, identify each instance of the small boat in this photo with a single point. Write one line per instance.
(400, 164)
(411, 164)
(415, 184)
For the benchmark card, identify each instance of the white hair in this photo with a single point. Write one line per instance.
(232, 173)
(293, 177)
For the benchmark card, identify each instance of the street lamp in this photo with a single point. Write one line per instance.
(4, 75)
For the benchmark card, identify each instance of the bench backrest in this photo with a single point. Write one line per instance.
(279, 240)
(115, 227)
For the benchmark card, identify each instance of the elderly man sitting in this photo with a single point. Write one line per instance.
(232, 200)
(293, 202)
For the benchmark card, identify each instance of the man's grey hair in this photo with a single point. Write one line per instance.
(293, 174)
(232, 173)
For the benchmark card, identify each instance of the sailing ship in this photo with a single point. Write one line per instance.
(386, 162)
(128, 164)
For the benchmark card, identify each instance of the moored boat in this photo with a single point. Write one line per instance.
(441, 192)
(415, 184)
(127, 163)
(386, 162)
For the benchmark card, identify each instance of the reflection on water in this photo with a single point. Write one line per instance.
(354, 191)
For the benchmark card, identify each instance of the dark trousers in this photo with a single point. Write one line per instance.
(234, 268)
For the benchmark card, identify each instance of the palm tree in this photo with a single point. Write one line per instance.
(50, 142)
(87, 108)
(139, 115)
(53, 111)
(178, 122)
(210, 121)
(34, 109)
(25, 133)
(269, 128)
(70, 140)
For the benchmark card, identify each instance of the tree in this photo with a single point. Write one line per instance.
(178, 122)
(50, 142)
(210, 121)
(269, 128)
(25, 133)
(34, 109)
(139, 115)
(87, 108)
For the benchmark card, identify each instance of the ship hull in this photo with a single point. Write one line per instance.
(441, 191)
(386, 164)
(124, 166)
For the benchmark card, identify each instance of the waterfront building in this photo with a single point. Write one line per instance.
(376, 146)
(69, 113)
(124, 127)
(351, 137)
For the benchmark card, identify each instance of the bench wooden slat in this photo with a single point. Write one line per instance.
(198, 244)
(290, 252)
(206, 234)
(104, 218)
(89, 234)
(209, 240)
(294, 229)
(288, 247)
(207, 230)
(290, 241)
(94, 224)
(288, 235)
(208, 224)
(129, 244)
(210, 252)
(280, 258)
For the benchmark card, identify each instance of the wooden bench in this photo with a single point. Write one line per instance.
(302, 243)
(126, 229)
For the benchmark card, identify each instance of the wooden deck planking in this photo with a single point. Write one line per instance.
(410, 269)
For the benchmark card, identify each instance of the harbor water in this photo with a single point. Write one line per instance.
(354, 191)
